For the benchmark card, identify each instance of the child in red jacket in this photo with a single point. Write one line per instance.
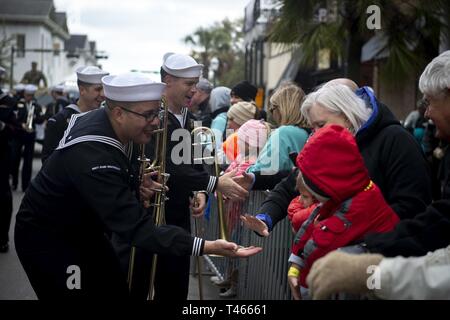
(301, 206)
(332, 169)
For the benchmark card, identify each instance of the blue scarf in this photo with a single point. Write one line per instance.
(369, 98)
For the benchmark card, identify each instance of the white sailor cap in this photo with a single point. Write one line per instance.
(30, 89)
(19, 87)
(181, 65)
(132, 87)
(58, 88)
(2, 70)
(91, 74)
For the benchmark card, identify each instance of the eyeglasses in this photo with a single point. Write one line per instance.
(149, 116)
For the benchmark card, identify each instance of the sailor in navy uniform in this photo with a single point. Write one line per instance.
(8, 127)
(59, 103)
(82, 195)
(91, 96)
(26, 108)
(181, 74)
(19, 91)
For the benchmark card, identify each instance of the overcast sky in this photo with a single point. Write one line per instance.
(136, 33)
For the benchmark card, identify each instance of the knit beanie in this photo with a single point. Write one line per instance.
(241, 112)
(253, 132)
(219, 98)
(332, 165)
(245, 91)
(204, 85)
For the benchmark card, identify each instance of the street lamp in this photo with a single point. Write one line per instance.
(214, 67)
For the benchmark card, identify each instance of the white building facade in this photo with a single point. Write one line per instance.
(40, 34)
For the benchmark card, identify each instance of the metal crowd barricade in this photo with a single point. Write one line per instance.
(263, 276)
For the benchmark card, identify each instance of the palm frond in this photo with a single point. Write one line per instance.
(401, 63)
(323, 36)
(295, 17)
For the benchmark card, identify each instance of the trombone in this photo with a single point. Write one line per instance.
(200, 137)
(30, 117)
(159, 165)
(146, 166)
(199, 260)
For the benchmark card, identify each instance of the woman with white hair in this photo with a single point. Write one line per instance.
(393, 158)
(336, 104)
(406, 268)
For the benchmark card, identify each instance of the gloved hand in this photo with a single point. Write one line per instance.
(340, 272)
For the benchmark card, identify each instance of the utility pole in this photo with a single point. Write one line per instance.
(98, 55)
(11, 70)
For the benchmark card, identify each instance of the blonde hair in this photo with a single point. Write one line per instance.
(289, 98)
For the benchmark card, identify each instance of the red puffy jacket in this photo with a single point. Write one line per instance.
(297, 213)
(331, 161)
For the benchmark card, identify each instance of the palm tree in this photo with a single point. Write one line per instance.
(6, 42)
(222, 40)
(410, 28)
(201, 38)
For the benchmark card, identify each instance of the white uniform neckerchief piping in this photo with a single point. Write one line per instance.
(184, 114)
(74, 107)
(28, 105)
(95, 138)
(129, 150)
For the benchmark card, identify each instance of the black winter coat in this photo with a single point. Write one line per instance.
(395, 163)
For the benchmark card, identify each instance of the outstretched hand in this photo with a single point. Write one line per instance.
(245, 180)
(230, 189)
(253, 223)
(229, 249)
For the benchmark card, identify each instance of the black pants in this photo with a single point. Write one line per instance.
(141, 268)
(47, 262)
(172, 272)
(172, 278)
(22, 145)
(6, 201)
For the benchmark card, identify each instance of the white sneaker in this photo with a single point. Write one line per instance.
(230, 293)
(220, 283)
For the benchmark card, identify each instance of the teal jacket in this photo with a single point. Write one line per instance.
(219, 123)
(274, 157)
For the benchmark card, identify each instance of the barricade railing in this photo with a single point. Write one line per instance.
(263, 276)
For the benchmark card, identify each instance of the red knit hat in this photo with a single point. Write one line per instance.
(331, 162)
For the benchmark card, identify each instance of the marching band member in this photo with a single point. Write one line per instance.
(89, 80)
(181, 74)
(29, 113)
(82, 195)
